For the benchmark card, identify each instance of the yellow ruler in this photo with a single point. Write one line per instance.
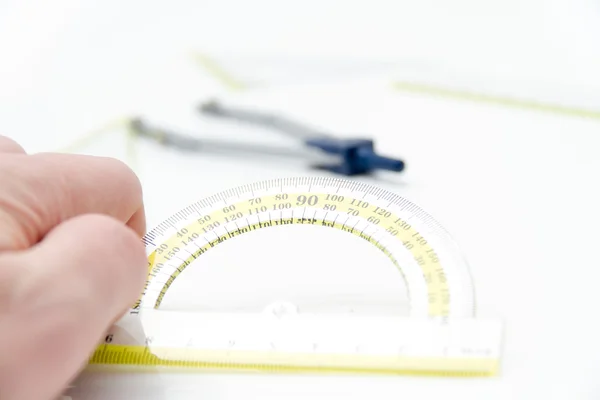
(440, 335)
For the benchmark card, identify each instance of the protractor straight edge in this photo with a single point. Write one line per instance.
(440, 335)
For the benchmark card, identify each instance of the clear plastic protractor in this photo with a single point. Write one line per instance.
(425, 256)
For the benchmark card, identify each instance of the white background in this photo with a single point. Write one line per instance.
(519, 190)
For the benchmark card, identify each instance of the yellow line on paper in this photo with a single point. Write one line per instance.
(90, 136)
(219, 73)
(496, 100)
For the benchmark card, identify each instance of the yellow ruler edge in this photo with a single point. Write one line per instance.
(141, 358)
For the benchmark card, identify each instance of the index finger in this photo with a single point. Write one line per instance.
(42, 190)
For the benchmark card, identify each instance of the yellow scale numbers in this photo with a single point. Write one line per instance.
(412, 240)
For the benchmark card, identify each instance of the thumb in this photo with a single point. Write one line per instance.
(59, 299)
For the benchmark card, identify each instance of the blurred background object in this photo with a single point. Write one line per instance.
(68, 66)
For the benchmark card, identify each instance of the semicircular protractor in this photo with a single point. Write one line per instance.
(438, 334)
(422, 252)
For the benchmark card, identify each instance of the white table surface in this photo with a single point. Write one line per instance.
(519, 190)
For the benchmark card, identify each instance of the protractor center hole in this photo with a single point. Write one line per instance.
(320, 270)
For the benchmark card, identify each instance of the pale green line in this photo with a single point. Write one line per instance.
(89, 137)
(496, 100)
(219, 73)
(230, 82)
(130, 140)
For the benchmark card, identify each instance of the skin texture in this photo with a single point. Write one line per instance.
(71, 263)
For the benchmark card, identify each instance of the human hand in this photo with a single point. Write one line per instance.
(71, 263)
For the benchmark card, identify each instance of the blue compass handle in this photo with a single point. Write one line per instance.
(357, 156)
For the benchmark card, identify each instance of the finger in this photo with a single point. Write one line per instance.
(69, 289)
(7, 145)
(50, 188)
